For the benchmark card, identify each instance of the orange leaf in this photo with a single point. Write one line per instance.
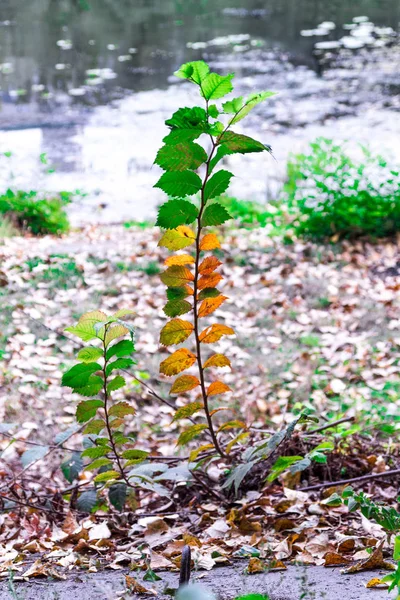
(217, 360)
(214, 333)
(209, 242)
(178, 361)
(175, 332)
(176, 276)
(184, 384)
(210, 304)
(189, 289)
(209, 281)
(180, 259)
(209, 265)
(217, 387)
(217, 410)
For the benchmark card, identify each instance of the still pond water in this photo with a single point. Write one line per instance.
(81, 79)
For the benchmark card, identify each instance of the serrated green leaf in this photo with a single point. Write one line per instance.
(176, 212)
(187, 124)
(92, 388)
(96, 451)
(180, 157)
(233, 106)
(216, 86)
(177, 293)
(176, 239)
(281, 464)
(107, 476)
(98, 463)
(87, 501)
(87, 410)
(188, 410)
(79, 375)
(179, 184)
(215, 214)
(209, 293)
(242, 144)
(95, 426)
(85, 331)
(195, 71)
(115, 384)
(217, 184)
(121, 409)
(174, 308)
(213, 111)
(72, 467)
(250, 103)
(190, 433)
(120, 363)
(89, 354)
(135, 454)
(117, 495)
(122, 348)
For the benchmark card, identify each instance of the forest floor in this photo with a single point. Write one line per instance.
(317, 326)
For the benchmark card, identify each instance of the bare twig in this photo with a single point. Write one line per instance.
(332, 424)
(327, 484)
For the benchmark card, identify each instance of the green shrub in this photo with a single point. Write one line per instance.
(39, 216)
(333, 194)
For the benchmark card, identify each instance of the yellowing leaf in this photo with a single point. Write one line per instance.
(187, 411)
(178, 361)
(217, 360)
(375, 582)
(214, 333)
(232, 425)
(217, 387)
(184, 384)
(115, 332)
(190, 433)
(121, 410)
(175, 332)
(176, 276)
(209, 281)
(95, 316)
(209, 265)
(210, 304)
(180, 259)
(239, 438)
(209, 242)
(176, 239)
(195, 453)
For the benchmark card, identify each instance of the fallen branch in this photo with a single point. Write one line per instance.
(327, 484)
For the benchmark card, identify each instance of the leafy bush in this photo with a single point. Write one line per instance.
(333, 194)
(36, 215)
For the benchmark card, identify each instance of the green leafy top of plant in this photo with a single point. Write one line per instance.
(39, 216)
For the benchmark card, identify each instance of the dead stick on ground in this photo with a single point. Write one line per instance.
(327, 484)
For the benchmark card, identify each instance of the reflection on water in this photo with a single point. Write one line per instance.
(55, 53)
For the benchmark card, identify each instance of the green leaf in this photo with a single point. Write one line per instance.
(85, 330)
(281, 464)
(250, 103)
(87, 410)
(176, 212)
(181, 156)
(233, 106)
(186, 124)
(79, 375)
(184, 183)
(213, 111)
(92, 388)
(122, 348)
(89, 354)
(242, 144)
(217, 184)
(87, 501)
(95, 426)
(187, 411)
(216, 86)
(135, 454)
(190, 433)
(237, 475)
(176, 293)
(121, 409)
(215, 214)
(196, 71)
(209, 293)
(97, 463)
(96, 451)
(72, 467)
(396, 552)
(117, 495)
(301, 465)
(115, 384)
(120, 363)
(106, 476)
(150, 575)
(33, 454)
(174, 308)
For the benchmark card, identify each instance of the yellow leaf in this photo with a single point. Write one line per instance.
(232, 425)
(180, 259)
(184, 384)
(209, 281)
(214, 333)
(114, 332)
(210, 304)
(209, 242)
(188, 410)
(217, 360)
(256, 565)
(217, 387)
(209, 265)
(94, 315)
(178, 361)
(195, 453)
(176, 239)
(239, 438)
(176, 276)
(175, 332)
(375, 582)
